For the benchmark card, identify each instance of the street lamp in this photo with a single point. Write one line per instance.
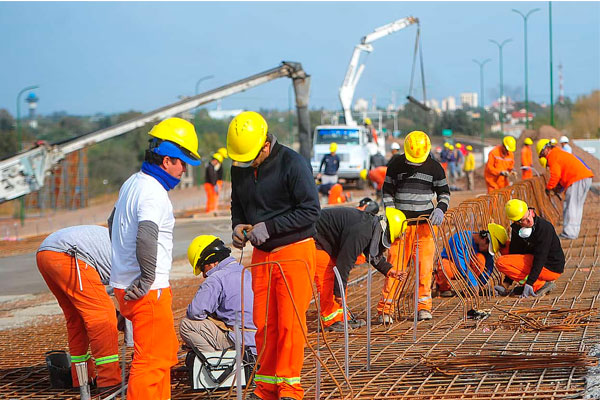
(481, 64)
(204, 78)
(525, 16)
(20, 145)
(500, 46)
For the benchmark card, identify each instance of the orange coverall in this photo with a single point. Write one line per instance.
(331, 310)
(526, 161)
(565, 169)
(211, 197)
(497, 162)
(402, 251)
(336, 194)
(517, 267)
(90, 315)
(377, 175)
(279, 330)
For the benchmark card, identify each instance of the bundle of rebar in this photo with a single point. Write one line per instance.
(553, 319)
(449, 363)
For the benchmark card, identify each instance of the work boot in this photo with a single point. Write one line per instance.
(384, 319)
(547, 288)
(339, 325)
(447, 293)
(424, 315)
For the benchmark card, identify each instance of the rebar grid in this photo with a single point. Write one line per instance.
(398, 367)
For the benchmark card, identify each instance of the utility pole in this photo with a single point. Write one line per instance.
(204, 78)
(525, 16)
(481, 65)
(500, 46)
(551, 67)
(20, 145)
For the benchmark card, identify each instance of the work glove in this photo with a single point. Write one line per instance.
(238, 235)
(528, 291)
(436, 217)
(500, 290)
(258, 235)
(504, 173)
(137, 290)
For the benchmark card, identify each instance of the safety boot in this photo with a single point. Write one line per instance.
(384, 319)
(352, 324)
(547, 288)
(424, 315)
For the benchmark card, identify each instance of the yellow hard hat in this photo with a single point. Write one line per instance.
(539, 146)
(205, 249)
(417, 146)
(395, 219)
(515, 209)
(223, 151)
(498, 237)
(217, 156)
(180, 132)
(458, 145)
(332, 147)
(447, 145)
(509, 143)
(368, 121)
(469, 147)
(246, 136)
(528, 141)
(363, 174)
(543, 161)
(450, 147)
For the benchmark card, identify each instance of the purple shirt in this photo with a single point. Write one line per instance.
(220, 297)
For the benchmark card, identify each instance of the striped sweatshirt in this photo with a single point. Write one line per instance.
(411, 188)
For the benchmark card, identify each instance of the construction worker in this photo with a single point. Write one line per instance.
(343, 234)
(444, 156)
(367, 205)
(526, 159)
(75, 263)
(274, 205)
(395, 148)
(456, 259)
(500, 164)
(564, 144)
(336, 195)
(211, 178)
(377, 160)
(141, 228)
(570, 174)
(376, 177)
(535, 258)
(217, 305)
(372, 131)
(469, 167)
(223, 152)
(459, 154)
(411, 183)
(331, 162)
(451, 158)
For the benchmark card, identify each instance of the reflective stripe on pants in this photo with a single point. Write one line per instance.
(331, 311)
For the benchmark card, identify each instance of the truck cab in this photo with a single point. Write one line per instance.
(352, 149)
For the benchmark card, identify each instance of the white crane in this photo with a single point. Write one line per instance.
(355, 71)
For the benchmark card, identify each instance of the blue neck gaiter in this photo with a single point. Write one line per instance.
(168, 181)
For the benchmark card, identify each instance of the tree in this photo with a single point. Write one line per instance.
(586, 117)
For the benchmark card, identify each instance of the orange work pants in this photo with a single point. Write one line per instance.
(443, 280)
(517, 267)
(331, 310)
(155, 344)
(279, 330)
(495, 182)
(211, 197)
(336, 194)
(90, 314)
(526, 174)
(401, 252)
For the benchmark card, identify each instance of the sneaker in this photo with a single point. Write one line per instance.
(447, 293)
(547, 288)
(424, 315)
(563, 236)
(384, 319)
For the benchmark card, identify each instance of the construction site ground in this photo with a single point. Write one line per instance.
(451, 358)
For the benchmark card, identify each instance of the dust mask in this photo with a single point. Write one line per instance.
(525, 232)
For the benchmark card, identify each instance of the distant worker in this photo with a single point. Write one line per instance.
(469, 167)
(452, 167)
(331, 162)
(375, 177)
(217, 305)
(444, 156)
(500, 164)
(411, 183)
(75, 263)
(274, 205)
(343, 234)
(377, 160)
(223, 152)
(211, 178)
(141, 226)
(526, 159)
(395, 148)
(456, 258)
(371, 130)
(570, 174)
(535, 258)
(459, 154)
(368, 205)
(564, 143)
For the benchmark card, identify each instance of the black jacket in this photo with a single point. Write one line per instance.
(210, 175)
(344, 233)
(543, 244)
(281, 192)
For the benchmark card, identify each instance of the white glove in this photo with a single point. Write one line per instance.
(504, 173)
(436, 217)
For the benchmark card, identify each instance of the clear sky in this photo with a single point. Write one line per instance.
(111, 57)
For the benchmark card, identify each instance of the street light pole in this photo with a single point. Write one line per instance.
(525, 16)
(481, 65)
(500, 46)
(551, 68)
(20, 145)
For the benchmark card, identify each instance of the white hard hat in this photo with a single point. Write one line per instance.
(563, 139)
(395, 146)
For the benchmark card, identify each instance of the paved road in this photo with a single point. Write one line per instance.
(19, 274)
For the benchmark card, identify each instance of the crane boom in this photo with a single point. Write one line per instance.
(355, 71)
(25, 172)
